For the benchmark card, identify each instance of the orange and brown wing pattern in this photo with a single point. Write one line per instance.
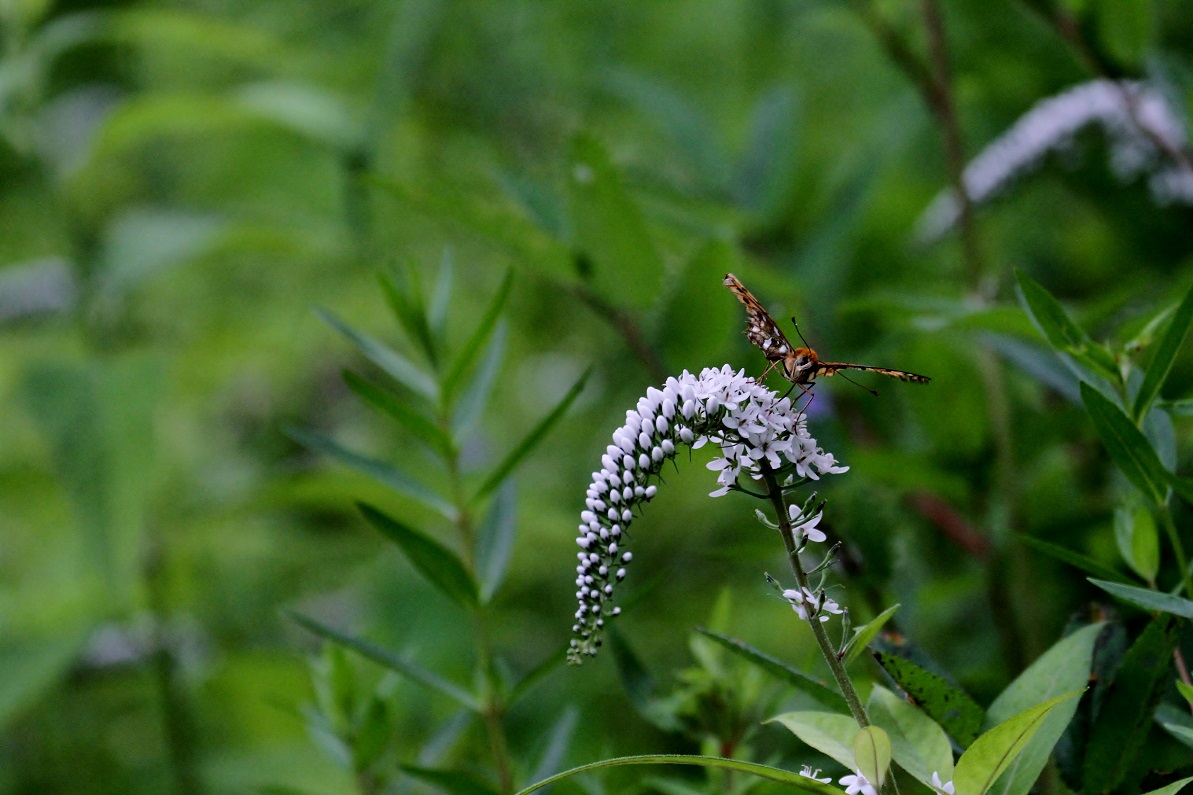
(761, 329)
(831, 368)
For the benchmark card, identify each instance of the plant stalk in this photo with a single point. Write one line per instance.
(835, 663)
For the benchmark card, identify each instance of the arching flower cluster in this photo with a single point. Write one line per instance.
(755, 430)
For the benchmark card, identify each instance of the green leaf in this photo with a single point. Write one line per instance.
(827, 732)
(1064, 668)
(1128, 706)
(872, 753)
(304, 109)
(1165, 355)
(437, 563)
(393, 363)
(918, 744)
(410, 418)
(394, 478)
(390, 661)
(34, 667)
(1127, 445)
(472, 404)
(780, 670)
(712, 762)
(1185, 690)
(1171, 789)
(610, 231)
(495, 540)
(866, 633)
(456, 782)
(478, 341)
(531, 440)
(992, 753)
(406, 302)
(949, 706)
(1147, 599)
(441, 298)
(1138, 541)
(1075, 559)
(1063, 334)
(559, 738)
(1177, 408)
(1182, 733)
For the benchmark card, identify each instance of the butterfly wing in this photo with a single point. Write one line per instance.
(831, 368)
(762, 330)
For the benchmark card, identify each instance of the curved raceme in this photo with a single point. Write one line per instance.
(755, 431)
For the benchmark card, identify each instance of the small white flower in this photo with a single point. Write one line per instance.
(807, 772)
(947, 788)
(808, 528)
(857, 783)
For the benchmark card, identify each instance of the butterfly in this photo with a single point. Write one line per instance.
(800, 366)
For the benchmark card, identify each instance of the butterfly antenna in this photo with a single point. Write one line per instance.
(800, 333)
(873, 392)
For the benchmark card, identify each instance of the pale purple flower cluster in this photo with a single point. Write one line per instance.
(1133, 115)
(754, 429)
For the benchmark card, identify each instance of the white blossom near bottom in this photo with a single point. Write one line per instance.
(809, 604)
(755, 430)
(857, 783)
(807, 772)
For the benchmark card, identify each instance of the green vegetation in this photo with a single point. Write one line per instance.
(317, 319)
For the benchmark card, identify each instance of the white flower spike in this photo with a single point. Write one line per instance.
(755, 431)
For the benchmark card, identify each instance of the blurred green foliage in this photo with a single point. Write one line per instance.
(192, 188)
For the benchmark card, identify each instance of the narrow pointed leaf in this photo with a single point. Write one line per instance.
(1182, 733)
(1128, 707)
(1127, 445)
(410, 418)
(780, 670)
(495, 541)
(766, 772)
(830, 734)
(1185, 690)
(872, 754)
(437, 311)
(1064, 668)
(478, 341)
(1165, 355)
(472, 403)
(1138, 541)
(1147, 599)
(1063, 334)
(393, 363)
(866, 633)
(387, 659)
(992, 753)
(559, 739)
(948, 705)
(918, 744)
(406, 302)
(434, 561)
(394, 478)
(1075, 559)
(532, 439)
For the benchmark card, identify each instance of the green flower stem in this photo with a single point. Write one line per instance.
(835, 663)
